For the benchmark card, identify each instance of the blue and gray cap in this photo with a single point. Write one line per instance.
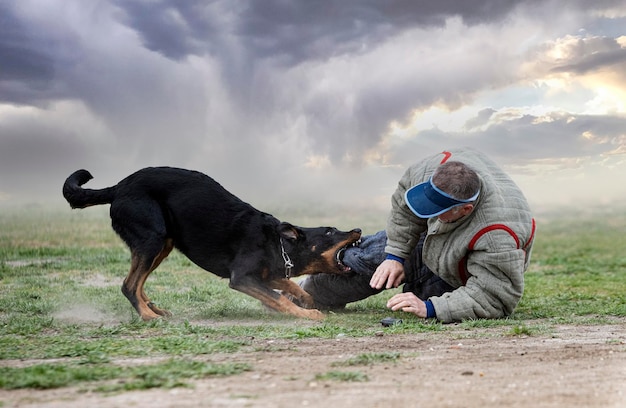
(427, 201)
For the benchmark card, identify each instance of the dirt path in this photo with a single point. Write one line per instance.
(572, 366)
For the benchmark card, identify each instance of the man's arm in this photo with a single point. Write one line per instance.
(389, 274)
(403, 227)
(409, 302)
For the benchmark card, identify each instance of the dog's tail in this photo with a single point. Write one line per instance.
(79, 197)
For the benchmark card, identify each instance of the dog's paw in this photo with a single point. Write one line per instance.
(159, 311)
(314, 314)
(305, 301)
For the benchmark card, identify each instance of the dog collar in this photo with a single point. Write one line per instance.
(288, 263)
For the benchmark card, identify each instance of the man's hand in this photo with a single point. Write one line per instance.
(389, 274)
(408, 302)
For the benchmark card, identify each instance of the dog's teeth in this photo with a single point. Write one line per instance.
(338, 255)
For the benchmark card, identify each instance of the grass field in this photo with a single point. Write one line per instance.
(61, 304)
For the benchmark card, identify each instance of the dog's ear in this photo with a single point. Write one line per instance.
(288, 231)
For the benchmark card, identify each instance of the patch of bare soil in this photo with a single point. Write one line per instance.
(571, 366)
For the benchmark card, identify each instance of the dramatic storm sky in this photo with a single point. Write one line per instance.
(311, 101)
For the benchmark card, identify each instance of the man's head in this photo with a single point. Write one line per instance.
(449, 194)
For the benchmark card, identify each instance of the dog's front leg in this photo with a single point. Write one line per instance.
(299, 296)
(270, 298)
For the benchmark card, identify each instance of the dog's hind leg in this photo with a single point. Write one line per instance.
(260, 290)
(133, 286)
(130, 288)
(167, 248)
(141, 225)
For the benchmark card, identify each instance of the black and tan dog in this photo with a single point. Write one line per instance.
(157, 209)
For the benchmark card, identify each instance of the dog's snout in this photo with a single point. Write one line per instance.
(357, 230)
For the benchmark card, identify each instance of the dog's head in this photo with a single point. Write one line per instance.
(316, 250)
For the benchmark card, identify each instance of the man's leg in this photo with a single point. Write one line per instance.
(335, 291)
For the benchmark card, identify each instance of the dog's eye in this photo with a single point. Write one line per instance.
(330, 232)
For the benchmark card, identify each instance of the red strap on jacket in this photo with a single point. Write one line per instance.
(532, 235)
(463, 262)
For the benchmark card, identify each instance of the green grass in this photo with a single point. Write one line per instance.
(369, 359)
(168, 374)
(577, 270)
(345, 376)
(62, 310)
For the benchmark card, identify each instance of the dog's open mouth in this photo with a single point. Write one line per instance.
(339, 256)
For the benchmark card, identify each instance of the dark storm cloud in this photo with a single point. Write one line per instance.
(175, 29)
(26, 60)
(23, 53)
(292, 31)
(593, 61)
(321, 29)
(253, 41)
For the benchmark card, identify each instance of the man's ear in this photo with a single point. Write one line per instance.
(467, 208)
(287, 231)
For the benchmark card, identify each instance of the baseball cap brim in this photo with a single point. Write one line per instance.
(426, 201)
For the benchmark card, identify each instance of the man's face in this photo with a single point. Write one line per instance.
(456, 213)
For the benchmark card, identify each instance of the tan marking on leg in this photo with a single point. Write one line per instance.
(279, 303)
(134, 282)
(288, 286)
(167, 248)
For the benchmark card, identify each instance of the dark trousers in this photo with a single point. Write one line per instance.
(335, 291)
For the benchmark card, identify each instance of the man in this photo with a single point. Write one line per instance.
(459, 236)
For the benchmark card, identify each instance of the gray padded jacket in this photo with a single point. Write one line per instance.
(483, 255)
